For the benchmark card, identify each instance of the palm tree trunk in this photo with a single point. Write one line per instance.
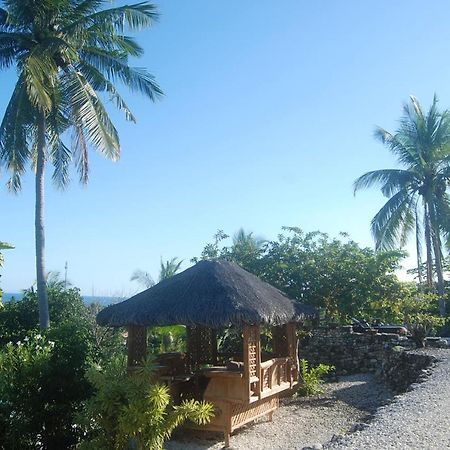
(428, 245)
(44, 319)
(438, 262)
(418, 250)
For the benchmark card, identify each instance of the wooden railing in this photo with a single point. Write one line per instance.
(276, 374)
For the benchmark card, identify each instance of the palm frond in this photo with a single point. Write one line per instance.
(386, 225)
(137, 16)
(40, 76)
(14, 133)
(100, 83)
(80, 150)
(115, 67)
(61, 157)
(91, 115)
(398, 146)
(390, 180)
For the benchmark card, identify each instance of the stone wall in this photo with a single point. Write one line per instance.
(400, 368)
(349, 352)
(388, 355)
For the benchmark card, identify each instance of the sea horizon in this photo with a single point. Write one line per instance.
(88, 299)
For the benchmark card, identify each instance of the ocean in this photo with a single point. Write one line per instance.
(88, 299)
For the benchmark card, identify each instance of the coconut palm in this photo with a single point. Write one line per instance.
(69, 56)
(169, 268)
(418, 197)
(143, 278)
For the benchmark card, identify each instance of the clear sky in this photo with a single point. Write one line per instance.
(267, 120)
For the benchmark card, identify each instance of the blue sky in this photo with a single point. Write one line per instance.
(267, 120)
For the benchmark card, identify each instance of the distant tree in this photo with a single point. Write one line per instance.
(169, 268)
(336, 275)
(66, 52)
(3, 246)
(212, 250)
(142, 278)
(418, 196)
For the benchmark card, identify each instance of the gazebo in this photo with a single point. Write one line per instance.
(207, 297)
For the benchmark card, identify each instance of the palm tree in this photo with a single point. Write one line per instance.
(69, 54)
(169, 268)
(418, 197)
(143, 278)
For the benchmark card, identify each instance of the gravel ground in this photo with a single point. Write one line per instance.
(418, 419)
(304, 421)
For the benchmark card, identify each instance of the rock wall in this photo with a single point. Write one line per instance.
(349, 352)
(400, 368)
(387, 355)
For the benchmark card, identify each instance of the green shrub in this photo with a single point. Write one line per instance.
(60, 387)
(23, 366)
(133, 412)
(312, 378)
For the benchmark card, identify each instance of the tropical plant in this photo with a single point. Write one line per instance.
(418, 196)
(67, 53)
(134, 412)
(169, 268)
(312, 378)
(143, 278)
(22, 365)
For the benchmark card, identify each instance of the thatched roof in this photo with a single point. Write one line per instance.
(211, 293)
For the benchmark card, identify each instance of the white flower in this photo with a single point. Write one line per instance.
(51, 343)
(19, 343)
(26, 338)
(38, 336)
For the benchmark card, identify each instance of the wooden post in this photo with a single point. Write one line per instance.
(136, 345)
(252, 360)
(292, 347)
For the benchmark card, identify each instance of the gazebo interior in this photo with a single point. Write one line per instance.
(207, 298)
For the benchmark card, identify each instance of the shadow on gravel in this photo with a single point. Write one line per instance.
(365, 393)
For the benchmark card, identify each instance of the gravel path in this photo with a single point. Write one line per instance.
(418, 419)
(304, 421)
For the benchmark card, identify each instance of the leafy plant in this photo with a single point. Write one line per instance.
(132, 411)
(59, 387)
(312, 378)
(23, 365)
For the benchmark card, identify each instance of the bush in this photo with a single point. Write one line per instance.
(312, 378)
(132, 411)
(23, 366)
(59, 387)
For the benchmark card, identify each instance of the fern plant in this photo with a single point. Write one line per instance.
(132, 412)
(312, 378)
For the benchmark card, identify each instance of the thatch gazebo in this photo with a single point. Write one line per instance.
(206, 297)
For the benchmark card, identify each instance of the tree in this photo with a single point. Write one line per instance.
(68, 54)
(143, 278)
(418, 196)
(167, 269)
(336, 275)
